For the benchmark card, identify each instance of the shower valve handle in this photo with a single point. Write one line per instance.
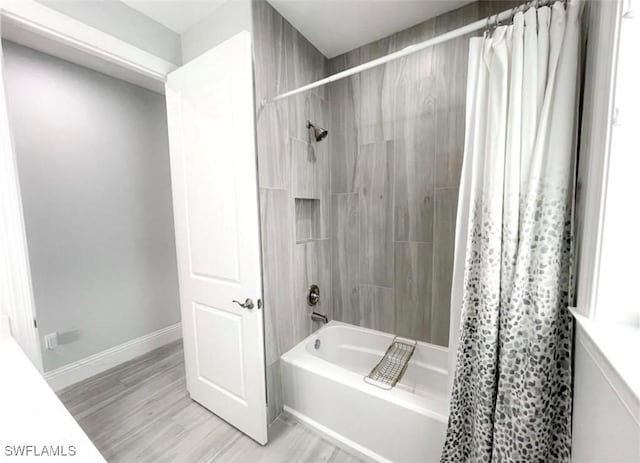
(248, 303)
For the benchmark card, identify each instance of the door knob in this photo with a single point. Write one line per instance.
(248, 304)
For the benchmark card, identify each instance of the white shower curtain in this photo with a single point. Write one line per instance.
(511, 394)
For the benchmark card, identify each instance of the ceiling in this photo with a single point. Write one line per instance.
(333, 26)
(177, 15)
(338, 26)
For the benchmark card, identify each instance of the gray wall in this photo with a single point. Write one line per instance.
(294, 185)
(117, 19)
(94, 172)
(396, 149)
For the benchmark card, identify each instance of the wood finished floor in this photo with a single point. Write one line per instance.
(140, 412)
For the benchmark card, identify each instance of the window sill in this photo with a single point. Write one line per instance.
(615, 348)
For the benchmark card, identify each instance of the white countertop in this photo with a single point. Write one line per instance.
(32, 418)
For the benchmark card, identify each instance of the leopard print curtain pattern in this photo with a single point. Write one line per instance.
(511, 394)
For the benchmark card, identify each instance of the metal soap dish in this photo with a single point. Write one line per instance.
(393, 364)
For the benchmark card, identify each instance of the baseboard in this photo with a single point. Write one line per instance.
(82, 369)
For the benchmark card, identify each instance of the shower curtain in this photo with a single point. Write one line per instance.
(511, 393)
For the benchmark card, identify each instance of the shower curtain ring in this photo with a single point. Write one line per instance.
(519, 9)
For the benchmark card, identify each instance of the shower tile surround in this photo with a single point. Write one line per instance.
(368, 214)
(396, 142)
(294, 188)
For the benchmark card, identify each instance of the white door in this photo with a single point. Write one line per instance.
(213, 172)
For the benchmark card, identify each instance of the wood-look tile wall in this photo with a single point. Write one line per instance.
(396, 146)
(294, 187)
(368, 213)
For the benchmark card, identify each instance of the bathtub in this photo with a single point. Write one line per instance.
(324, 389)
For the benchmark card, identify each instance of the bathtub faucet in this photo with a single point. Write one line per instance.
(318, 317)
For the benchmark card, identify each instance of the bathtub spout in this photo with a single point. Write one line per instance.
(318, 317)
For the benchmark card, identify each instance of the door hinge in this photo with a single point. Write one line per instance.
(35, 323)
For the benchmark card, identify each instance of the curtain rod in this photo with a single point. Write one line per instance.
(490, 21)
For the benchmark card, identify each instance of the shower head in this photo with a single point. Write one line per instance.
(318, 133)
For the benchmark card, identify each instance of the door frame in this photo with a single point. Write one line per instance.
(92, 48)
(84, 44)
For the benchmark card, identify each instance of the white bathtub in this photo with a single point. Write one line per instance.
(324, 389)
